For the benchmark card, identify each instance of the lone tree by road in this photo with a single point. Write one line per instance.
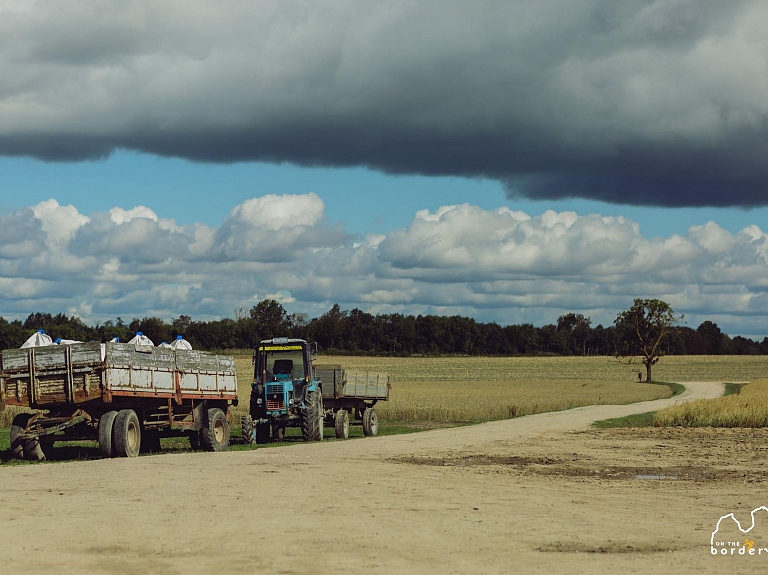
(643, 329)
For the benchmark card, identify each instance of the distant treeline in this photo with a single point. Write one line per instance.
(357, 332)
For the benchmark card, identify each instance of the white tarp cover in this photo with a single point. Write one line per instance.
(181, 343)
(38, 340)
(67, 341)
(165, 344)
(141, 339)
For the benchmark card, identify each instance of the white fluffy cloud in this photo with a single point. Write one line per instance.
(500, 265)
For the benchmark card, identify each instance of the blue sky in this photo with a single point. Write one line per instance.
(362, 200)
(507, 161)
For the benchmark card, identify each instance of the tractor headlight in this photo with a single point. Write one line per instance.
(258, 401)
(290, 401)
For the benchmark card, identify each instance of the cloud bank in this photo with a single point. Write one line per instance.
(495, 265)
(640, 102)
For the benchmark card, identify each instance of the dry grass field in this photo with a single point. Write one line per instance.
(485, 388)
(464, 389)
(748, 408)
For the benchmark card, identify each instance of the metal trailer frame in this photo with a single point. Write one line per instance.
(171, 392)
(353, 394)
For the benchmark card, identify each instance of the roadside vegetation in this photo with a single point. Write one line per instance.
(747, 408)
(742, 405)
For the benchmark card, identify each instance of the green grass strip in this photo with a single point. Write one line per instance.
(646, 419)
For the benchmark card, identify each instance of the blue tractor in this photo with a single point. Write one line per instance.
(285, 392)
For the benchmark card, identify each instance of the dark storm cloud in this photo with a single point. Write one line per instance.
(643, 102)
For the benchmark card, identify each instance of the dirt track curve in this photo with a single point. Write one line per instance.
(537, 494)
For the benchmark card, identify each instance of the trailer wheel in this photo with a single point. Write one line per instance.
(214, 436)
(370, 422)
(312, 417)
(246, 426)
(127, 433)
(106, 425)
(342, 424)
(33, 449)
(18, 426)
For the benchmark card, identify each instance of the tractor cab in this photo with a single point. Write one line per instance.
(282, 359)
(283, 370)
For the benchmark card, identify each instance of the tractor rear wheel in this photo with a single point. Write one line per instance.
(214, 435)
(312, 417)
(106, 424)
(194, 440)
(342, 424)
(370, 422)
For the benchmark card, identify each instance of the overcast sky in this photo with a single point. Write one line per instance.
(505, 160)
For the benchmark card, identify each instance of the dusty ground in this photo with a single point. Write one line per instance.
(539, 494)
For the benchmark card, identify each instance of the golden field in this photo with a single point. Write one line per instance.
(748, 408)
(457, 389)
(484, 388)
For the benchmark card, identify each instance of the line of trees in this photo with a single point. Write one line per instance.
(357, 332)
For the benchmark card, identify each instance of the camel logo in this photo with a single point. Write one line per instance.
(726, 540)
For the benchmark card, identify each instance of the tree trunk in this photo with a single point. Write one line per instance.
(648, 372)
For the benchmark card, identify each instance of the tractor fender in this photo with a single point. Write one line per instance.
(313, 386)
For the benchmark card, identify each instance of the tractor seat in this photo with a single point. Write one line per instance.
(283, 369)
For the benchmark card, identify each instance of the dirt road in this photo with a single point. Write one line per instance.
(539, 494)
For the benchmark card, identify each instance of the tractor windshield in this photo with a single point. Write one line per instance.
(285, 364)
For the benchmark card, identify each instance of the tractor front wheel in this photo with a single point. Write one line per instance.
(262, 433)
(246, 426)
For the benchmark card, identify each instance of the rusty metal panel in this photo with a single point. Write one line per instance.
(16, 391)
(119, 355)
(50, 356)
(131, 369)
(86, 354)
(15, 359)
(51, 388)
(123, 369)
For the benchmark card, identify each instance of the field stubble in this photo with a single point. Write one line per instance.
(484, 388)
(748, 408)
(469, 389)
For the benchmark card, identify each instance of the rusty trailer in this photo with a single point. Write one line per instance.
(125, 396)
